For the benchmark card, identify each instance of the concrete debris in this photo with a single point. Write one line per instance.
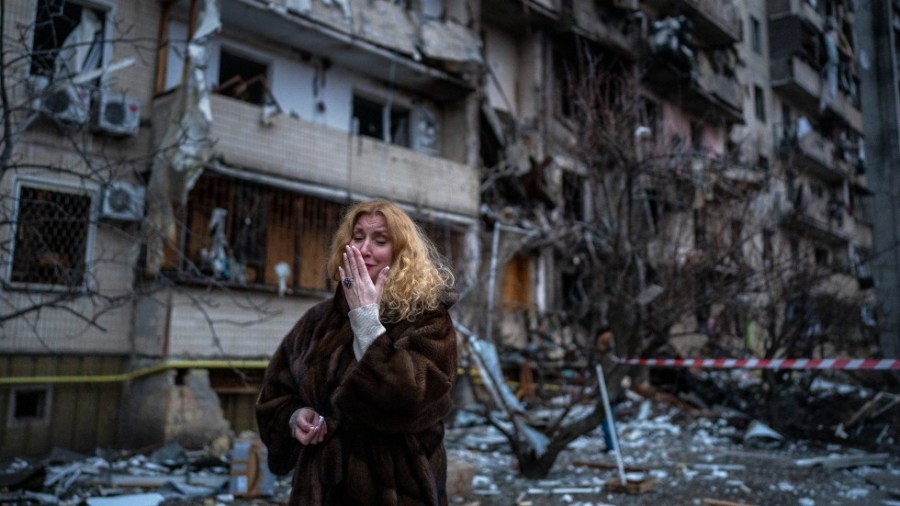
(760, 435)
(169, 473)
(844, 461)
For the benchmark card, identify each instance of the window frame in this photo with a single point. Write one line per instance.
(238, 51)
(108, 7)
(393, 108)
(182, 264)
(12, 422)
(91, 191)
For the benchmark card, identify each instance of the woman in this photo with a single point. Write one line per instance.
(353, 398)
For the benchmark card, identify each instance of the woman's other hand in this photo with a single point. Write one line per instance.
(308, 427)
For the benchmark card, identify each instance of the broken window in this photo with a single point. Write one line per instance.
(243, 78)
(822, 256)
(759, 103)
(52, 236)
(244, 233)
(573, 188)
(377, 120)
(29, 406)
(517, 284)
(755, 36)
(68, 40)
(767, 238)
(250, 234)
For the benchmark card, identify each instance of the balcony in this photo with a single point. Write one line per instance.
(814, 155)
(614, 32)
(800, 8)
(716, 23)
(805, 87)
(814, 218)
(304, 153)
(702, 92)
(382, 42)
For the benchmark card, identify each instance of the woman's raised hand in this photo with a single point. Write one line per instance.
(359, 289)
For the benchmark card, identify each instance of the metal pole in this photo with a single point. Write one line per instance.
(492, 279)
(609, 423)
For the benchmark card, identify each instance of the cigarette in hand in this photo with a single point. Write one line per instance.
(318, 425)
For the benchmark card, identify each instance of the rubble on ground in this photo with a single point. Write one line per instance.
(671, 454)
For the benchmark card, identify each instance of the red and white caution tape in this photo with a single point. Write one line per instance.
(768, 363)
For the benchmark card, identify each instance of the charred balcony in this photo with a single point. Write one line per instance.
(387, 53)
(616, 29)
(716, 23)
(814, 70)
(702, 92)
(812, 154)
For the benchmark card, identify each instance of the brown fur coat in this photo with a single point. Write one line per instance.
(385, 441)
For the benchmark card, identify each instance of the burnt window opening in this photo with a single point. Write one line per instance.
(767, 248)
(247, 234)
(52, 231)
(696, 136)
(794, 247)
(822, 256)
(700, 230)
(516, 295)
(242, 78)
(29, 406)
(759, 103)
(68, 39)
(376, 120)
(573, 187)
(755, 35)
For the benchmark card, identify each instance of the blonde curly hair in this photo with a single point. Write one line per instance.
(418, 277)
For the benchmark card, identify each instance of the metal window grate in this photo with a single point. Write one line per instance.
(51, 237)
(265, 226)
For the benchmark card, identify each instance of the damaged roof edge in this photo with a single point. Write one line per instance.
(343, 49)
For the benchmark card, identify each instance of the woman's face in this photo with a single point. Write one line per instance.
(371, 238)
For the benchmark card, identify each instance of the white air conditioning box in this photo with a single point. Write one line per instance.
(424, 130)
(122, 201)
(63, 101)
(117, 114)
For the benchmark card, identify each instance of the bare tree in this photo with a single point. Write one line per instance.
(61, 165)
(654, 237)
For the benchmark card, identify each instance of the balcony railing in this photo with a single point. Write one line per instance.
(716, 22)
(800, 8)
(297, 150)
(808, 89)
(813, 154)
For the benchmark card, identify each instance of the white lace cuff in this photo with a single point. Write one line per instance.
(366, 327)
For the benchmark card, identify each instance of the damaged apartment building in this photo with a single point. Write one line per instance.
(177, 184)
(750, 232)
(201, 151)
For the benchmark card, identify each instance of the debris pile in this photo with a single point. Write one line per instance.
(226, 472)
(678, 454)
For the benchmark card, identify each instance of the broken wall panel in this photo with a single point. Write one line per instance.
(76, 415)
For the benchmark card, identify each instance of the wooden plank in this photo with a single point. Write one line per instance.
(720, 502)
(630, 486)
(605, 466)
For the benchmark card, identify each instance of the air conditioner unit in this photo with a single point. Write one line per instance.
(122, 201)
(117, 114)
(62, 101)
(425, 130)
